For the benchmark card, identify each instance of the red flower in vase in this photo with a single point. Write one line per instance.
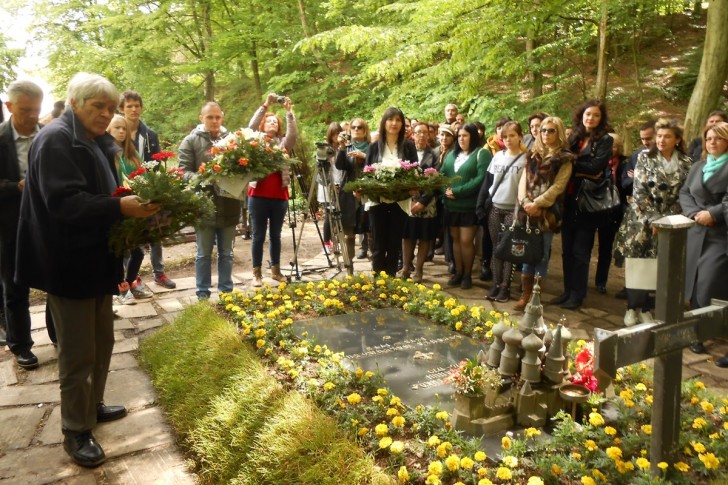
(135, 173)
(122, 192)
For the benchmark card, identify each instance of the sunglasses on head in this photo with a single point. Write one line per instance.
(550, 131)
(357, 127)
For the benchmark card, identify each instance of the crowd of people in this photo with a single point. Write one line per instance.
(57, 179)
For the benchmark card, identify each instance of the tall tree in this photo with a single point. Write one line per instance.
(9, 58)
(713, 69)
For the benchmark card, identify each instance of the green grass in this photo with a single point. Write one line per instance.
(238, 423)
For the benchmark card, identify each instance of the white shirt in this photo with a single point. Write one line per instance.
(22, 147)
(460, 161)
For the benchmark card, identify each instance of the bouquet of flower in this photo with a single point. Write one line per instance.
(180, 204)
(240, 157)
(472, 377)
(584, 363)
(395, 181)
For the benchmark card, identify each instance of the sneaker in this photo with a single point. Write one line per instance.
(139, 291)
(164, 281)
(630, 318)
(646, 317)
(126, 298)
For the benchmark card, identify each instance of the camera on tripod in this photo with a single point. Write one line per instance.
(323, 152)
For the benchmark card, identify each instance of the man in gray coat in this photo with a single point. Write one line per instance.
(193, 152)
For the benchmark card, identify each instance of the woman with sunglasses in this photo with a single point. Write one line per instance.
(350, 162)
(541, 194)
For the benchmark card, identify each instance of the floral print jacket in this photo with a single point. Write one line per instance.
(656, 194)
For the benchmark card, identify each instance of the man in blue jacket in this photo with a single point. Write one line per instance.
(66, 214)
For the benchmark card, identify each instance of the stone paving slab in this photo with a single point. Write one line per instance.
(163, 466)
(141, 430)
(51, 433)
(170, 304)
(139, 310)
(19, 425)
(8, 376)
(123, 324)
(38, 465)
(46, 373)
(150, 324)
(22, 395)
(126, 360)
(129, 387)
(37, 319)
(126, 345)
(40, 337)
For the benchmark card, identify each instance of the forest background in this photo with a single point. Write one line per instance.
(337, 59)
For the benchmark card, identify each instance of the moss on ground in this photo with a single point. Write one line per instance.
(238, 423)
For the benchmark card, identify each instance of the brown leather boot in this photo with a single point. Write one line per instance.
(527, 285)
(276, 274)
(257, 277)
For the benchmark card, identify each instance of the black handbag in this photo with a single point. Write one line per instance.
(520, 244)
(597, 196)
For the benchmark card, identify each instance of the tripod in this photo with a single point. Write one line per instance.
(331, 202)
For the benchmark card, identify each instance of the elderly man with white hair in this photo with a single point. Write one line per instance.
(66, 214)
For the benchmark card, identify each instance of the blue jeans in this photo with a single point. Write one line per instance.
(206, 237)
(542, 267)
(262, 211)
(157, 258)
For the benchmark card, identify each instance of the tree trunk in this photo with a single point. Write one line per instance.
(256, 71)
(534, 73)
(713, 70)
(600, 89)
(302, 14)
(209, 86)
(207, 36)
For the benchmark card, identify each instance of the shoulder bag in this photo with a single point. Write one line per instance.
(520, 244)
(597, 196)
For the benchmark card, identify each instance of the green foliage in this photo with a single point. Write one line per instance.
(8, 62)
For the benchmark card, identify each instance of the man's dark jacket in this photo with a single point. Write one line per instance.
(151, 141)
(9, 178)
(66, 213)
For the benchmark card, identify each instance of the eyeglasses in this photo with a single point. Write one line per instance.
(550, 131)
(357, 127)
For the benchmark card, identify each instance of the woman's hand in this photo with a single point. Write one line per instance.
(532, 209)
(287, 104)
(704, 218)
(449, 194)
(357, 194)
(342, 142)
(271, 99)
(358, 156)
(132, 206)
(416, 207)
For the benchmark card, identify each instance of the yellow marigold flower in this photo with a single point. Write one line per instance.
(353, 299)
(382, 392)
(402, 475)
(640, 387)
(433, 480)
(580, 343)
(576, 456)
(359, 372)
(725, 425)
(381, 429)
(618, 441)
(662, 465)
(531, 432)
(613, 452)
(362, 431)
(556, 469)
(436, 287)
(377, 399)
(629, 403)
(699, 423)
(368, 374)
(588, 481)
(392, 412)
(442, 415)
(484, 481)
(709, 460)
(433, 441)
(503, 473)
(649, 400)
(510, 461)
(626, 394)
(435, 468)
(620, 466)
(610, 431)
(260, 332)
(398, 422)
(458, 325)
(642, 463)
(699, 385)
(707, 406)
(260, 343)
(599, 475)
(452, 463)
(596, 419)
(353, 398)
(442, 450)
(535, 481)
(591, 445)
(694, 400)
(385, 442)
(682, 466)
(328, 386)
(506, 443)
(646, 428)
(480, 456)
(466, 463)
(395, 401)
(396, 447)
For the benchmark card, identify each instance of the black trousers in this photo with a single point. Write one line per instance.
(15, 297)
(577, 242)
(387, 223)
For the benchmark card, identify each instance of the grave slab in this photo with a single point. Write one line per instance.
(51, 433)
(413, 354)
(162, 466)
(19, 425)
(137, 311)
(139, 431)
(8, 377)
(129, 387)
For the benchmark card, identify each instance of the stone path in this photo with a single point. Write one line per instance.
(141, 448)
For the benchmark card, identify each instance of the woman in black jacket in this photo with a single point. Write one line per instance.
(592, 146)
(386, 218)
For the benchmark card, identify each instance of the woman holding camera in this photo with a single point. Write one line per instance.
(351, 153)
(386, 218)
(268, 197)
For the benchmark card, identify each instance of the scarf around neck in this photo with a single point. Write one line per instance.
(713, 165)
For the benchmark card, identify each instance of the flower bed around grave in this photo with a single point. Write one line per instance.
(418, 445)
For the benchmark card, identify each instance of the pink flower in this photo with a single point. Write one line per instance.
(407, 165)
(370, 168)
(431, 171)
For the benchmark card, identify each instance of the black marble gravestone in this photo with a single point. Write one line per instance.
(413, 354)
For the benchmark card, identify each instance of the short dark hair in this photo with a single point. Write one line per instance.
(538, 115)
(648, 125)
(130, 95)
(720, 113)
(502, 121)
(475, 141)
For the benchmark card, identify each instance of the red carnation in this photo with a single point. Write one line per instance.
(137, 172)
(122, 192)
(162, 156)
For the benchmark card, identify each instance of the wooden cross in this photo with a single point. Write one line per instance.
(673, 330)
